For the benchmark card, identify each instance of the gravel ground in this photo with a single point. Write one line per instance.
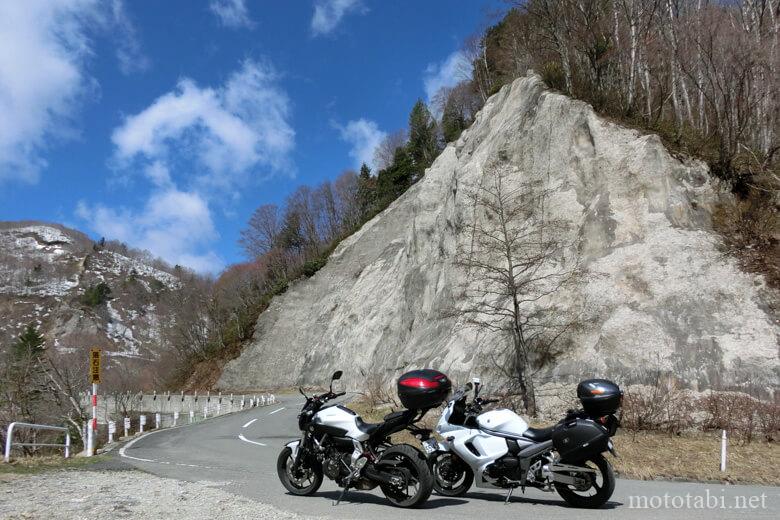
(123, 494)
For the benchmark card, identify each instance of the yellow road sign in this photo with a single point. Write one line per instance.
(94, 365)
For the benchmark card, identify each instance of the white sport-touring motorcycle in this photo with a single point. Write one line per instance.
(497, 449)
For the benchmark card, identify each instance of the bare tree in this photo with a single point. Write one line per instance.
(262, 230)
(516, 260)
(385, 152)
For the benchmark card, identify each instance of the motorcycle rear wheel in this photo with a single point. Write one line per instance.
(451, 476)
(418, 486)
(305, 481)
(603, 482)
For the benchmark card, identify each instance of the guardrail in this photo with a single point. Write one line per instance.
(10, 434)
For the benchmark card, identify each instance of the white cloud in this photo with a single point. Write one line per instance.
(128, 52)
(45, 47)
(328, 14)
(174, 225)
(208, 139)
(447, 73)
(42, 79)
(232, 13)
(229, 130)
(364, 136)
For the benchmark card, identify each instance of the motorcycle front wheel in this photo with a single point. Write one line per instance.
(596, 490)
(451, 476)
(411, 468)
(306, 480)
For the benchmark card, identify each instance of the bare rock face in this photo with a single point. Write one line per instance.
(657, 296)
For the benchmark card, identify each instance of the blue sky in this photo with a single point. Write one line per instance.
(165, 123)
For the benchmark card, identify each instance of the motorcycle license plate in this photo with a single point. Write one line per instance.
(430, 446)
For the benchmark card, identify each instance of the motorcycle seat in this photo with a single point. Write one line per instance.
(365, 427)
(538, 434)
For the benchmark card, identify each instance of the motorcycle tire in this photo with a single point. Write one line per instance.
(453, 480)
(604, 490)
(413, 461)
(308, 480)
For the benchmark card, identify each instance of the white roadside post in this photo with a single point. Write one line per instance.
(205, 411)
(192, 415)
(127, 426)
(157, 421)
(723, 443)
(175, 418)
(141, 423)
(111, 431)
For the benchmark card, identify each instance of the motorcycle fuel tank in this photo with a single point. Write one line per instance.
(502, 421)
(339, 421)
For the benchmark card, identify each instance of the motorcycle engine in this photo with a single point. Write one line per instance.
(335, 466)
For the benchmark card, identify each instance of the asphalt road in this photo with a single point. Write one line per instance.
(239, 451)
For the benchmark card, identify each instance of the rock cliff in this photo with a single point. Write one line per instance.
(657, 295)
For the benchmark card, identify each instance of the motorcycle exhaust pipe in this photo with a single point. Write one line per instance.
(379, 476)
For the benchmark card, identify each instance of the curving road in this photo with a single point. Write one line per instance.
(239, 451)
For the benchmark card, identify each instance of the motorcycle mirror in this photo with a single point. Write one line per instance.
(469, 386)
(336, 375)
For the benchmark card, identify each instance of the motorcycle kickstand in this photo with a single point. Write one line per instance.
(509, 495)
(343, 492)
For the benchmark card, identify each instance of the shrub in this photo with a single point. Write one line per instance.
(312, 266)
(96, 295)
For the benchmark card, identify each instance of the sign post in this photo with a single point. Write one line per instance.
(94, 373)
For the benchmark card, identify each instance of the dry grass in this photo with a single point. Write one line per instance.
(652, 455)
(655, 455)
(37, 464)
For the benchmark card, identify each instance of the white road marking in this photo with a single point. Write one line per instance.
(277, 410)
(123, 453)
(241, 436)
(250, 422)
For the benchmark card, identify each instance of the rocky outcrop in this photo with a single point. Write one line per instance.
(657, 295)
(45, 270)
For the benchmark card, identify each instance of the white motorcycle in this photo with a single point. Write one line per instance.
(497, 449)
(335, 442)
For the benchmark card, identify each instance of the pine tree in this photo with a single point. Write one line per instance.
(30, 344)
(366, 191)
(396, 179)
(25, 380)
(453, 122)
(423, 146)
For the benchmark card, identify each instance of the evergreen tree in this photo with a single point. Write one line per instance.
(396, 179)
(453, 121)
(291, 237)
(366, 191)
(422, 146)
(30, 344)
(25, 380)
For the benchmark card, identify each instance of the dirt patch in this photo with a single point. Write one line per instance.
(123, 494)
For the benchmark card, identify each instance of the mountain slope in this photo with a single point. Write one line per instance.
(657, 296)
(45, 270)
